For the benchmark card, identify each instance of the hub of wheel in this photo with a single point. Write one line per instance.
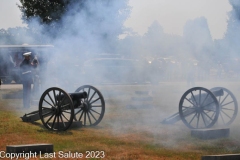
(199, 109)
(56, 111)
(86, 106)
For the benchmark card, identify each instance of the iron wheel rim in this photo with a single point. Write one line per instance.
(56, 113)
(228, 107)
(198, 108)
(93, 107)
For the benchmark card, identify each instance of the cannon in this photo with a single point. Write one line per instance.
(58, 109)
(201, 108)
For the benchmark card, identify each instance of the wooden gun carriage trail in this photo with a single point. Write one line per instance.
(58, 110)
(200, 108)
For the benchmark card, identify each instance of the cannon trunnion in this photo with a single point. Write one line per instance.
(58, 109)
(203, 108)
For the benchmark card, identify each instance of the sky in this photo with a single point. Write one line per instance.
(171, 15)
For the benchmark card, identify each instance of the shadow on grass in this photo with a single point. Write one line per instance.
(66, 132)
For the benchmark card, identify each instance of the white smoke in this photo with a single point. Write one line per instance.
(94, 30)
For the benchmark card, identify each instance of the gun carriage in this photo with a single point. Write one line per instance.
(202, 108)
(58, 109)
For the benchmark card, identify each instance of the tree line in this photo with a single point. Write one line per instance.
(95, 26)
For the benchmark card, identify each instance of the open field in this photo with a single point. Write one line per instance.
(125, 132)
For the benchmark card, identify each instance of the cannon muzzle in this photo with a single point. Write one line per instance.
(217, 92)
(78, 95)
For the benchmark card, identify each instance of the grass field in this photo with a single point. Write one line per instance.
(125, 132)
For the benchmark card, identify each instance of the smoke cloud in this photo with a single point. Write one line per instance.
(185, 61)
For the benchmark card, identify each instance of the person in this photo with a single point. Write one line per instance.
(26, 69)
(36, 79)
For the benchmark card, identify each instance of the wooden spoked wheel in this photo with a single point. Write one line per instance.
(92, 108)
(228, 107)
(198, 108)
(56, 109)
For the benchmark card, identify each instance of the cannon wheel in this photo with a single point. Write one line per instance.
(92, 109)
(198, 108)
(56, 112)
(228, 107)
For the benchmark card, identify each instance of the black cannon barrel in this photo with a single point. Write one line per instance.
(78, 95)
(217, 92)
(74, 96)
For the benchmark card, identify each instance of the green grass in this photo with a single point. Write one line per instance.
(123, 133)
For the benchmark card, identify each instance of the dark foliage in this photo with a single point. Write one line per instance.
(48, 11)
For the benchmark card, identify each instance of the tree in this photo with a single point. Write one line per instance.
(198, 37)
(85, 22)
(232, 34)
(48, 11)
(4, 37)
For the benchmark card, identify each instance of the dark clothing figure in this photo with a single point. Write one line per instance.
(26, 69)
(26, 93)
(36, 79)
